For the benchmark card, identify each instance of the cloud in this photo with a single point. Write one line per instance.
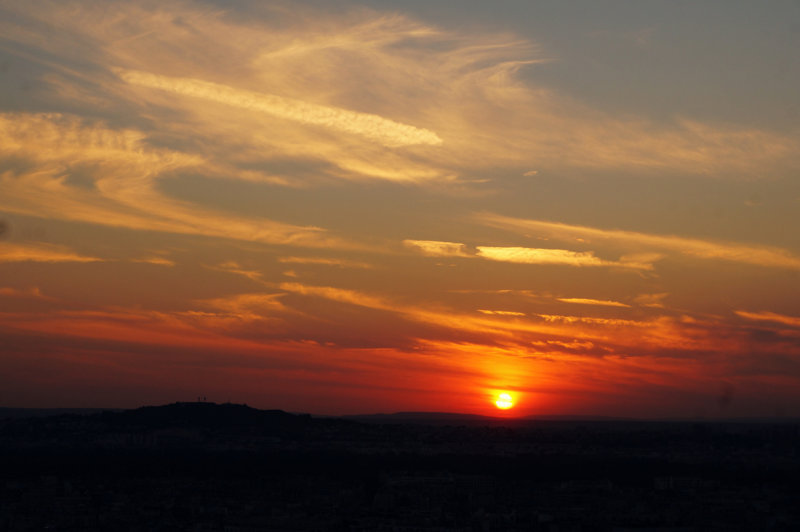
(124, 171)
(379, 129)
(452, 100)
(30, 293)
(494, 326)
(592, 320)
(234, 268)
(435, 248)
(521, 255)
(10, 252)
(585, 301)
(158, 261)
(694, 247)
(352, 297)
(248, 307)
(500, 312)
(324, 261)
(651, 300)
(792, 321)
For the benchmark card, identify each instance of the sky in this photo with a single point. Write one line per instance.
(382, 206)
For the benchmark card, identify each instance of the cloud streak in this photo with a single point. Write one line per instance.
(521, 255)
(435, 248)
(11, 252)
(324, 261)
(524, 255)
(774, 317)
(586, 301)
(374, 127)
(693, 247)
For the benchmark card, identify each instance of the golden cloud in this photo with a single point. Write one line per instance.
(705, 249)
(435, 248)
(373, 127)
(521, 255)
(500, 312)
(586, 301)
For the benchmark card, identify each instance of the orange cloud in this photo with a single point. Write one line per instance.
(500, 312)
(248, 307)
(343, 263)
(651, 300)
(792, 321)
(656, 333)
(10, 252)
(585, 301)
(158, 261)
(32, 293)
(234, 268)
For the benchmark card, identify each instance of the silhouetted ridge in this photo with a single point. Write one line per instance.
(206, 415)
(177, 425)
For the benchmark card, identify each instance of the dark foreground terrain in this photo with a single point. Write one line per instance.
(208, 467)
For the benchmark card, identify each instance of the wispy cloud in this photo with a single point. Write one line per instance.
(236, 269)
(651, 300)
(342, 295)
(592, 320)
(500, 312)
(124, 171)
(494, 326)
(792, 321)
(158, 261)
(523, 255)
(585, 301)
(11, 252)
(377, 128)
(257, 306)
(451, 100)
(435, 248)
(642, 242)
(565, 257)
(324, 261)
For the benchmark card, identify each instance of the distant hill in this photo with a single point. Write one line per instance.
(230, 414)
(172, 426)
(13, 413)
(206, 415)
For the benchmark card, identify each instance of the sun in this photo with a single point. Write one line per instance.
(504, 401)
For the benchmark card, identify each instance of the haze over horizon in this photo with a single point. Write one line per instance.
(382, 206)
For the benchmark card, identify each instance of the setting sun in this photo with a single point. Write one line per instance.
(504, 401)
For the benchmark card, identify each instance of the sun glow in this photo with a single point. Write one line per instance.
(504, 401)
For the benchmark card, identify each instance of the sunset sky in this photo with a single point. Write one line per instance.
(385, 206)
